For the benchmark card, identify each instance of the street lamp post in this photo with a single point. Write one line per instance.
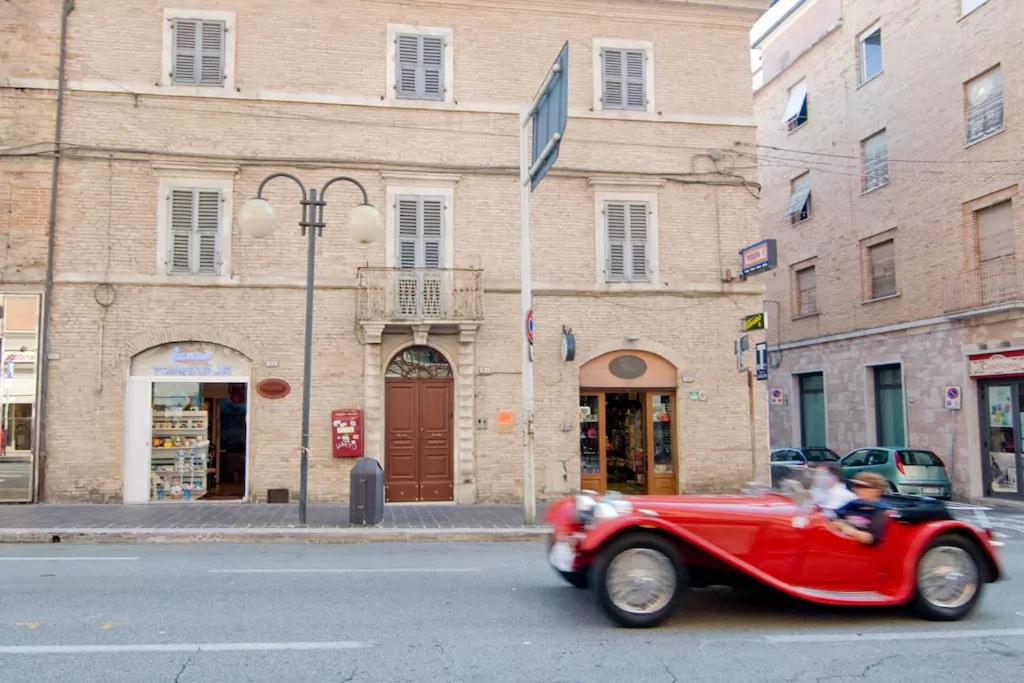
(258, 218)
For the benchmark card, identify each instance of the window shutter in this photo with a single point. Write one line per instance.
(636, 95)
(408, 231)
(406, 65)
(615, 223)
(208, 231)
(180, 238)
(432, 68)
(883, 269)
(995, 231)
(186, 51)
(612, 85)
(211, 55)
(639, 266)
(433, 231)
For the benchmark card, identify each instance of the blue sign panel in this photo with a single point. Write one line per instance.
(761, 359)
(758, 257)
(550, 119)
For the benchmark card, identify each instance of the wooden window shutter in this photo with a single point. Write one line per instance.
(612, 85)
(407, 61)
(995, 231)
(432, 223)
(639, 265)
(636, 87)
(432, 68)
(180, 237)
(186, 51)
(615, 234)
(208, 232)
(407, 210)
(882, 258)
(419, 67)
(211, 65)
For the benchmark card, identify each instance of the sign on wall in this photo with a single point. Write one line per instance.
(952, 398)
(776, 396)
(996, 364)
(190, 359)
(347, 433)
(753, 322)
(761, 360)
(757, 257)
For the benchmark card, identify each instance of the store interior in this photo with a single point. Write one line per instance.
(198, 441)
(626, 456)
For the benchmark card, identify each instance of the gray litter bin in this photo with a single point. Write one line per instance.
(366, 493)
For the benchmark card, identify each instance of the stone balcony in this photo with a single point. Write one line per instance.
(416, 296)
(992, 284)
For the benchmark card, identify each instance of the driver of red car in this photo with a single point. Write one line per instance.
(864, 519)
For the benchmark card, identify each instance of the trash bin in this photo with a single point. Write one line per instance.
(366, 493)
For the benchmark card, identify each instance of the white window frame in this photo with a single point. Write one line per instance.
(425, 187)
(647, 46)
(799, 89)
(163, 221)
(601, 241)
(443, 32)
(794, 217)
(862, 76)
(167, 53)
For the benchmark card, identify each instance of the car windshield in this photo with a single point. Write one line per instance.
(920, 458)
(820, 455)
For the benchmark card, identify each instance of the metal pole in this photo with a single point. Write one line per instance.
(525, 304)
(311, 210)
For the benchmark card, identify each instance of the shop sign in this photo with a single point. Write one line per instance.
(753, 322)
(952, 398)
(757, 257)
(273, 387)
(997, 364)
(347, 433)
(20, 357)
(190, 359)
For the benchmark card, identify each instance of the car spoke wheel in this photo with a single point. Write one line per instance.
(949, 579)
(639, 579)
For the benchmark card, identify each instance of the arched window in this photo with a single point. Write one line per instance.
(419, 362)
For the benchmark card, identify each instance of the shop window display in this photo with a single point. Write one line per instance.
(661, 417)
(590, 454)
(181, 445)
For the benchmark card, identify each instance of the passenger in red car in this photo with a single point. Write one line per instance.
(828, 489)
(864, 520)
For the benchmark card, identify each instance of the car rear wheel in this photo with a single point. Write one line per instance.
(949, 579)
(639, 579)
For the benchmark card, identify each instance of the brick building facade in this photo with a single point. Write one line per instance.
(165, 316)
(890, 152)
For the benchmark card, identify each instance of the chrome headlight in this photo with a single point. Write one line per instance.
(584, 508)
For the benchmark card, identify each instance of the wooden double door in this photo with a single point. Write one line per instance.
(418, 431)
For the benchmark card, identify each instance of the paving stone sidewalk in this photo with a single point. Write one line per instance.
(230, 515)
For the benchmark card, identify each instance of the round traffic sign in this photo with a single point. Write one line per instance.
(529, 326)
(953, 393)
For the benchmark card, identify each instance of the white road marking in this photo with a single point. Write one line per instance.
(66, 559)
(179, 647)
(386, 570)
(880, 635)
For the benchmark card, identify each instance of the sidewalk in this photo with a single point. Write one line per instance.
(242, 522)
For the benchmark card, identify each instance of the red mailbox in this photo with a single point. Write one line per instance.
(347, 433)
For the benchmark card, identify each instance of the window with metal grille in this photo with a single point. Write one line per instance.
(198, 52)
(419, 72)
(623, 79)
(806, 292)
(882, 260)
(627, 230)
(984, 105)
(875, 152)
(195, 231)
(800, 198)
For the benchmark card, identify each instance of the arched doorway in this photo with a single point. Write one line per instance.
(418, 403)
(627, 424)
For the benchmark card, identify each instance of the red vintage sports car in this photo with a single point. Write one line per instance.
(641, 553)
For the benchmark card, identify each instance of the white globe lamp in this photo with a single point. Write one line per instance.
(366, 224)
(257, 218)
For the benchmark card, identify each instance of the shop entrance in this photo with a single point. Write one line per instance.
(186, 424)
(1002, 403)
(418, 427)
(627, 434)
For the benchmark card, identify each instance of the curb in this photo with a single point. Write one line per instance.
(271, 535)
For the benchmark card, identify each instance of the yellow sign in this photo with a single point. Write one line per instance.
(753, 322)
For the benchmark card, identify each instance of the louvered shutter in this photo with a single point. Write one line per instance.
(408, 231)
(406, 65)
(186, 51)
(432, 231)
(208, 232)
(615, 224)
(612, 85)
(636, 94)
(638, 239)
(211, 54)
(180, 238)
(432, 68)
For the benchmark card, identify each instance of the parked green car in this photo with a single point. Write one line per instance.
(908, 470)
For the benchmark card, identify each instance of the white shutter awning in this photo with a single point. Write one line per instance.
(797, 96)
(799, 199)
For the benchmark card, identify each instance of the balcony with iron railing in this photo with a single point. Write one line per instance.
(414, 295)
(996, 282)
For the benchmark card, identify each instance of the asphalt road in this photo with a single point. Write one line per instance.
(440, 612)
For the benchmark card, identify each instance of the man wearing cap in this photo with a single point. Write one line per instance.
(864, 519)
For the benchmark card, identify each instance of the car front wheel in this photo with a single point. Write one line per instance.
(949, 579)
(639, 579)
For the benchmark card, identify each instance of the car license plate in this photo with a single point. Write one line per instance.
(931, 490)
(562, 557)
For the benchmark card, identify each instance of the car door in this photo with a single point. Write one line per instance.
(854, 462)
(829, 561)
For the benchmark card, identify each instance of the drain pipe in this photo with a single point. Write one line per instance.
(44, 355)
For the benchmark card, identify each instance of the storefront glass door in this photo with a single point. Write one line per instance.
(1003, 423)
